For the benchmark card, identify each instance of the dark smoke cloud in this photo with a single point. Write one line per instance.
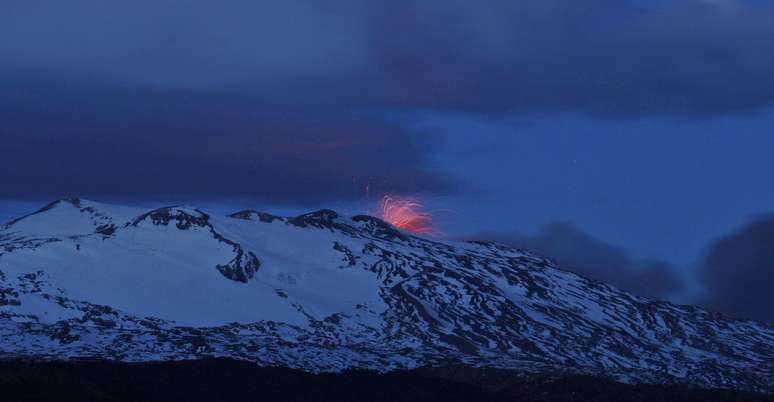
(92, 140)
(580, 252)
(738, 272)
(682, 57)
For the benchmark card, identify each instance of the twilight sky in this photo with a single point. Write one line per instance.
(630, 140)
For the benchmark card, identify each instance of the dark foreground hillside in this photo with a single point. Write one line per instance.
(225, 380)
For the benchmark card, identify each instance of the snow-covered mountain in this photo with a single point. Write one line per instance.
(324, 292)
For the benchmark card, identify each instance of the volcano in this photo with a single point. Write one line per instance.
(323, 292)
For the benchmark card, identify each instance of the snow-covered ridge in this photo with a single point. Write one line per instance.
(322, 291)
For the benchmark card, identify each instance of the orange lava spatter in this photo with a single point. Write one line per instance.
(405, 213)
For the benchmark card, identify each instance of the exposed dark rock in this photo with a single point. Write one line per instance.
(106, 230)
(262, 216)
(242, 268)
(181, 218)
(379, 228)
(349, 256)
(323, 218)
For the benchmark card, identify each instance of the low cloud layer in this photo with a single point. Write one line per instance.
(580, 252)
(738, 272)
(94, 140)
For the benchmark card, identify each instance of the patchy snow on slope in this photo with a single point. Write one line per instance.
(324, 292)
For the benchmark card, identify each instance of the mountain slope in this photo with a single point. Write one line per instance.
(324, 292)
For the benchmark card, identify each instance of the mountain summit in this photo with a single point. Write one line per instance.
(325, 292)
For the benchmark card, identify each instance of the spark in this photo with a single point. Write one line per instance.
(406, 213)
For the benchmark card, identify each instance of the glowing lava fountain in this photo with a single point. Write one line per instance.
(406, 213)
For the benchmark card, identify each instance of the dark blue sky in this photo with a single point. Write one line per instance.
(644, 125)
(663, 186)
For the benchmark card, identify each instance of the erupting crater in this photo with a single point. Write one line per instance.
(406, 213)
